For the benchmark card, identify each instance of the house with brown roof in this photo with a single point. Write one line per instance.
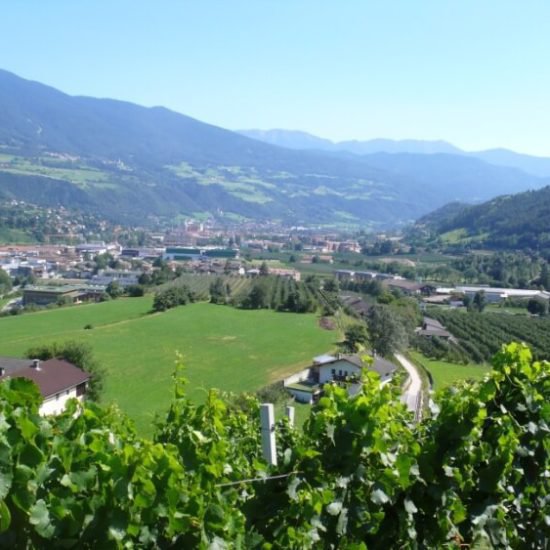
(57, 380)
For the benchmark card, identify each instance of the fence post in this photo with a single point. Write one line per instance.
(290, 415)
(267, 417)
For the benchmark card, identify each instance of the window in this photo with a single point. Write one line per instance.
(57, 397)
(333, 372)
(81, 389)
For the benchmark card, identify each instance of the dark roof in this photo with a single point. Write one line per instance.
(404, 284)
(53, 376)
(12, 364)
(383, 367)
(357, 304)
(432, 323)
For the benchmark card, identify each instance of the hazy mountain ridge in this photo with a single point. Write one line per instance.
(129, 162)
(293, 139)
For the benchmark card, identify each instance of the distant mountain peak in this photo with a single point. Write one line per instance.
(129, 163)
(297, 139)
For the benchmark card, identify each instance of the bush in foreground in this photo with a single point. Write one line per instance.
(361, 474)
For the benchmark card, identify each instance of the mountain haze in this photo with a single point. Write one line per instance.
(131, 163)
(293, 139)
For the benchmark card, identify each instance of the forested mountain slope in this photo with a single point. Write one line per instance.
(129, 163)
(518, 221)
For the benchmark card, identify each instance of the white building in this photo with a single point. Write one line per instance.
(494, 294)
(122, 277)
(57, 380)
(307, 385)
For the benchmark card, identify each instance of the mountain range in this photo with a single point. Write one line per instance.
(295, 139)
(135, 164)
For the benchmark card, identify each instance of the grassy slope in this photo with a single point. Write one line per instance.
(445, 374)
(222, 347)
(18, 236)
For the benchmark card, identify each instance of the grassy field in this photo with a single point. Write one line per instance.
(445, 374)
(234, 350)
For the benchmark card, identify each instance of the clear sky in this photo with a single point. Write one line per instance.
(473, 72)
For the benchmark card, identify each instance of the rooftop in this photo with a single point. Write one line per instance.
(52, 376)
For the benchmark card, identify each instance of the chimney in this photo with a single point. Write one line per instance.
(36, 364)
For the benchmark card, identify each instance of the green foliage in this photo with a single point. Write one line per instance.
(480, 336)
(79, 354)
(479, 301)
(537, 307)
(219, 291)
(172, 296)
(355, 337)
(483, 458)
(518, 222)
(5, 282)
(114, 289)
(135, 291)
(283, 294)
(386, 332)
(361, 474)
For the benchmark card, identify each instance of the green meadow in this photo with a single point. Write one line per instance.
(446, 374)
(222, 347)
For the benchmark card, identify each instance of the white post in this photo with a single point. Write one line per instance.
(267, 417)
(290, 415)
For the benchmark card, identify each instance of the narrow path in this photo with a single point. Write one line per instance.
(412, 396)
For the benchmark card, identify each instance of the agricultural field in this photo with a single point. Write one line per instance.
(78, 174)
(231, 349)
(445, 374)
(200, 284)
(276, 291)
(481, 335)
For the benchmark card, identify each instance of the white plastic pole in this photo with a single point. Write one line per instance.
(290, 415)
(269, 446)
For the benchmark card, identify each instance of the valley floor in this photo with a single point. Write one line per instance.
(223, 347)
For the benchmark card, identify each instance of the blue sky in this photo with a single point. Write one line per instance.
(473, 72)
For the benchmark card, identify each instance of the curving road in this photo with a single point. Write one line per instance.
(412, 395)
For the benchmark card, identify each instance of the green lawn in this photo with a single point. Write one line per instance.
(235, 350)
(495, 308)
(445, 374)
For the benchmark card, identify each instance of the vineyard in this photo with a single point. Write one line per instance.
(481, 335)
(200, 284)
(271, 292)
(360, 474)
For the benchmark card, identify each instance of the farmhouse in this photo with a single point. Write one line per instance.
(57, 380)
(356, 304)
(432, 327)
(307, 385)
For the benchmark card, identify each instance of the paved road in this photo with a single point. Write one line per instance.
(411, 396)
